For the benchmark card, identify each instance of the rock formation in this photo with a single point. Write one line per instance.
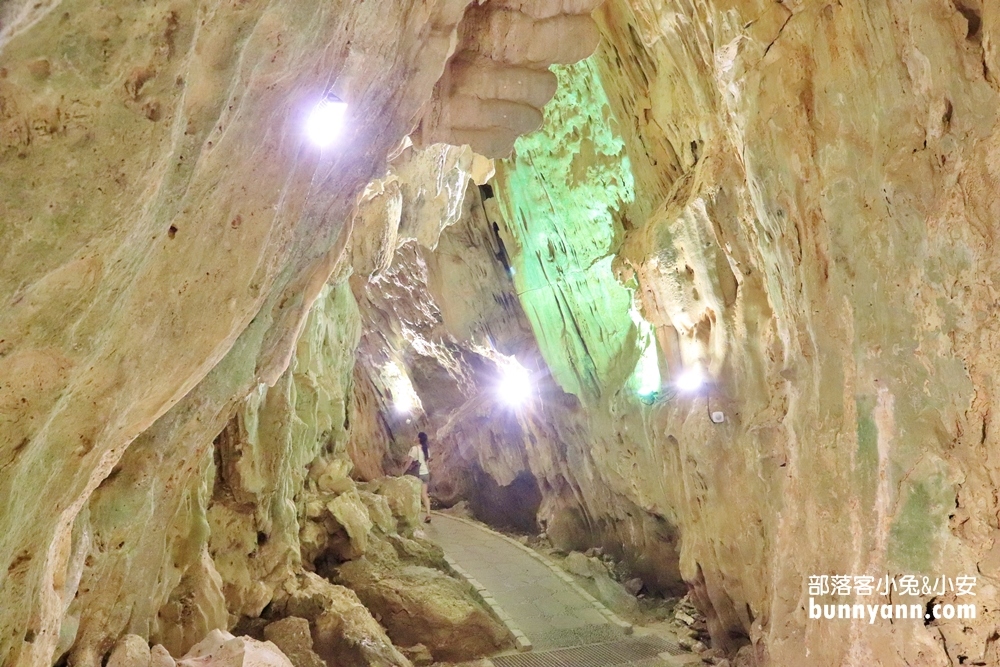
(217, 341)
(166, 231)
(815, 237)
(496, 83)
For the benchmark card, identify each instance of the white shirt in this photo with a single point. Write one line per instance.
(417, 454)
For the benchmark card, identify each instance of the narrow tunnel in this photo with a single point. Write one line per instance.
(498, 333)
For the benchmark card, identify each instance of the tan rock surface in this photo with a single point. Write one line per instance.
(130, 651)
(160, 657)
(165, 148)
(808, 219)
(798, 197)
(293, 636)
(166, 231)
(343, 630)
(419, 604)
(497, 81)
(402, 495)
(809, 191)
(221, 649)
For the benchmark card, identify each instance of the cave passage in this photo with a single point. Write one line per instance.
(694, 303)
(540, 603)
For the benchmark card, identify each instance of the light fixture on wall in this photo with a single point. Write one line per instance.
(515, 385)
(402, 404)
(690, 380)
(326, 120)
(714, 416)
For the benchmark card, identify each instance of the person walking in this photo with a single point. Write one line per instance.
(416, 465)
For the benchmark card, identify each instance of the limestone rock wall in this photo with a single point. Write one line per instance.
(796, 197)
(268, 503)
(497, 81)
(809, 222)
(230, 512)
(818, 187)
(162, 211)
(442, 320)
(582, 435)
(434, 323)
(166, 228)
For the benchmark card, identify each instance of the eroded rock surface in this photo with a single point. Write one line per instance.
(165, 211)
(401, 581)
(809, 229)
(221, 649)
(217, 649)
(794, 197)
(495, 85)
(294, 637)
(167, 229)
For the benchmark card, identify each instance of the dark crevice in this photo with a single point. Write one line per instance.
(501, 253)
(780, 30)
(974, 20)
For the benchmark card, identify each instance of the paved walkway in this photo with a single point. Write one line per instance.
(537, 598)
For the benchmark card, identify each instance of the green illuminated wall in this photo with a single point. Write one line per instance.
(560, 194)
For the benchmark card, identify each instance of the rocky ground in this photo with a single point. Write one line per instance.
(374, 592)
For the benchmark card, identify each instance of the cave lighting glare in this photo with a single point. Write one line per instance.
(646, 375)
(325, 120)
(515, 383)
(690, 381)
(647, 371)
(405, 400)
(403, 404)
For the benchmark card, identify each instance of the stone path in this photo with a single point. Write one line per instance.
(545, 609)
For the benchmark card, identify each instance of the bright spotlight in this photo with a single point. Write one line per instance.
(403, 404)
(325, 120)
(515, 384)
(690, 381)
